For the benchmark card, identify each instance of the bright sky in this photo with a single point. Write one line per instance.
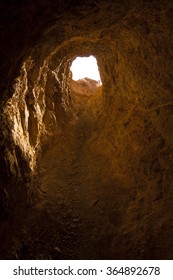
(85, 67)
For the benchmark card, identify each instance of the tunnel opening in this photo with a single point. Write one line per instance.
(85, 83)
(85, 67)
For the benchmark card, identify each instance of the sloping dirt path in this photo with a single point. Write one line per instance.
(82, 209)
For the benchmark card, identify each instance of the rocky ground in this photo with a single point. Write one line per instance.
(81, 213)
(88, 207)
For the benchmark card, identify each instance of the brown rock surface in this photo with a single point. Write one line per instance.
(85, 86)
(104, 159)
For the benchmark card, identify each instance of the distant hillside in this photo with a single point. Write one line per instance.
(85, 86)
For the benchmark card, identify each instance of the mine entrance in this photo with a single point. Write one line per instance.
(85, 81)
(85, 67)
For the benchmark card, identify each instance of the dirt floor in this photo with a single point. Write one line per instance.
(82, 209)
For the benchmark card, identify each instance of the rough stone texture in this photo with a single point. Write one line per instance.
(85, 86)
(132, 41)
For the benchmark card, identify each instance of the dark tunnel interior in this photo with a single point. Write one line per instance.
(86, 170)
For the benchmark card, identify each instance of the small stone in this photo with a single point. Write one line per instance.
(57, 249)
(76, 221)
(94, 202)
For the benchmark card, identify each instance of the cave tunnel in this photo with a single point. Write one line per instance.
(86, 171)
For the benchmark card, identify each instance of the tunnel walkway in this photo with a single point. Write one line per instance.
(82, 210)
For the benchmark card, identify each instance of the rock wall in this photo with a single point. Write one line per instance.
(30, 117)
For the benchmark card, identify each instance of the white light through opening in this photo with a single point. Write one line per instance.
(85, 67)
